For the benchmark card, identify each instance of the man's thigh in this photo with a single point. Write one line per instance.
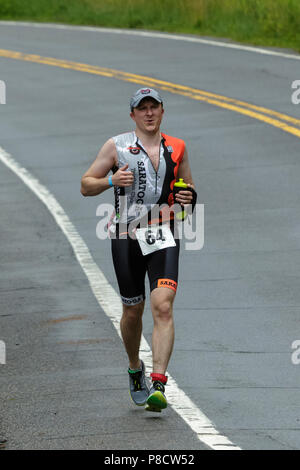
(162, 268)
(130, 269)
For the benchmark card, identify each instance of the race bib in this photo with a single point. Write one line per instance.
(154, 238)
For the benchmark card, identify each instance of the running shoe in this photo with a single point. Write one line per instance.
(157, 400)
(138, 388)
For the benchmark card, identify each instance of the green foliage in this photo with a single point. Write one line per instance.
(269, 22)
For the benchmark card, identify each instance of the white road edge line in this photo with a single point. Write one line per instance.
(110, 302)
(155, 35)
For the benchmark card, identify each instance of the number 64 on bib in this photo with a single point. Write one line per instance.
(154, 238)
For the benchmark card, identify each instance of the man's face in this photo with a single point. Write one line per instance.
(148, 115)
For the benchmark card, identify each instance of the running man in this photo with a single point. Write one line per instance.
(145, 164)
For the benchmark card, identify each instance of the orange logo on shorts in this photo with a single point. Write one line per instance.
(167, 283)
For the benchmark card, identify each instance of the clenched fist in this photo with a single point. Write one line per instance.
(123, 177)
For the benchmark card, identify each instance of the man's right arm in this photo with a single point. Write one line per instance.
(95, 180)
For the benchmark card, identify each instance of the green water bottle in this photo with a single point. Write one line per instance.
(178, 186)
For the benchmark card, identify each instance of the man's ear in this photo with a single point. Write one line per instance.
(132, 115)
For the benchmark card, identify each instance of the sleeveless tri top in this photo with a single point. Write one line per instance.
(150, 187)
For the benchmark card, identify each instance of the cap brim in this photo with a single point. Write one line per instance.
(137, 103)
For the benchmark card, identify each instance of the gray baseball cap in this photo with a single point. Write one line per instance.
(144, 93)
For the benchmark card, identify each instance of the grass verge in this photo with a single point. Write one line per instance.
(260, 22)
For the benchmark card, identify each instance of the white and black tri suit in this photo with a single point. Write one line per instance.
(150, 187)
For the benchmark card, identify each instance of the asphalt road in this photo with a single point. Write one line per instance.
(64, 384)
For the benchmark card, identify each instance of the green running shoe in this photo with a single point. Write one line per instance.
(138, 388)
(156, 400)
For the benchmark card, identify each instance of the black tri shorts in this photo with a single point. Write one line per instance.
(131, 267)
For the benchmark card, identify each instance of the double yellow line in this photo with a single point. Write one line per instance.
(282, 121)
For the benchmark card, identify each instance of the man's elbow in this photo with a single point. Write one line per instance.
(83, 189)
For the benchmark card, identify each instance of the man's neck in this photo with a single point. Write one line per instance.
(149, 139)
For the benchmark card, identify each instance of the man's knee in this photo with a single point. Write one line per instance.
(133, 312)
(163, 311)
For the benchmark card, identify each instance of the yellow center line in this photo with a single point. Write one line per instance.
(269, 116)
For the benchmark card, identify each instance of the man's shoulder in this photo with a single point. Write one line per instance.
(174, 142)
(124, 138)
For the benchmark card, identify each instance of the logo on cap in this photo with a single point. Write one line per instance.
(145, 91)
